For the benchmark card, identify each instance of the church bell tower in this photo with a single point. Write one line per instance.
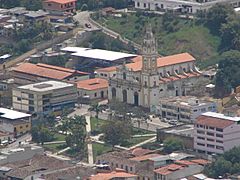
(149, 52)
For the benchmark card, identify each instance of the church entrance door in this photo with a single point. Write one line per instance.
(124, 95)
(136, 99)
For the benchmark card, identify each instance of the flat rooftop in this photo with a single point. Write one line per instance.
(45, 86)
(11, 114)
(97, 53)
(186, 130)
(221, 116)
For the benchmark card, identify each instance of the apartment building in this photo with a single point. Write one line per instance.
(216, 133)
(183, 6)
(59, 7)
(42, 98)
(14, 122)
(184, 108)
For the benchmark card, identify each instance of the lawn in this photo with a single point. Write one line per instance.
(188, 35)
(54, 147)
(99, 149)
(135, 140)
(137, 131)
(97, 123)
(59, 137)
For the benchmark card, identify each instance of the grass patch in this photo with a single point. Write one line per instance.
(96, 123)
(59, 137)
(135, 140)
(99, 149)
(137, 131)
(189, 36)
(54, 147)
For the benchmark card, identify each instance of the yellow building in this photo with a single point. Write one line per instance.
(14, 122)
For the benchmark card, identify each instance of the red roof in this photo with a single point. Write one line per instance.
(112, 175)
(61, 1)
(213, 121)
(162, 61)
(201, 161)
(107, 69)
(144, 157)
(48, 71)
(168, 169)
(184, 162)
(92, 84)
(140, 151)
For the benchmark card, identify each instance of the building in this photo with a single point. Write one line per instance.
(21, 153)
(183, 6)
(232, 111)
(36, 16)
(216, 133)
(6, 86)
(106, 73)
(180, 169)
(118, 174)
(59, 7)
(152, 77)
(184, 108)
(88, 59)
(34, 167)
(183, 132)
(28, 73)
(14, 122)
(42, 98)
(93, 88)
(5, 136)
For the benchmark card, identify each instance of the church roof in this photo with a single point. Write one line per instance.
(162, 61)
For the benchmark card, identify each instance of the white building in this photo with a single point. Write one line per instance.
(151, 77)
(184, 6)
(216, 133)
(184, 108)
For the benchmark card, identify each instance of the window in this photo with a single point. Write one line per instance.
(219, 129)
(26, 126)
(210, 146)
(31, 109)
(212, 128)
(20, 127)
(19, 99)
(121, 166)
(145, 83)
(131, 169)
(202, 138)
(124, 76)
(219, 135)
(210, 134)
(126, 168)
(144, 5)
(30, 96)
(200, 132)
(219, 147)
(212, 140)
(95, 94)
(154, 83)
(49, 4)
(195, 110)
(200, 144)
(31, 102)
(218, 141)
(138, 4)
(117, 165)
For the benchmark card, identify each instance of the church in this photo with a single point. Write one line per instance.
(151, 77)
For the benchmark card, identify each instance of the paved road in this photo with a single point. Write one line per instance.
(22, 139)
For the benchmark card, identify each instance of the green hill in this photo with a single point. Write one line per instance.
(174, 35)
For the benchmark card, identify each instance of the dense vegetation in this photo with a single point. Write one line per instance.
(29, 4)
(228, 163)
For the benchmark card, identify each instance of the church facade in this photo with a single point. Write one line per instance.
(150, 77)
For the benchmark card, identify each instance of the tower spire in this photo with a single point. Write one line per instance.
(149, 51)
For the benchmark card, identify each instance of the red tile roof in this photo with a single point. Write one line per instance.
(201, 161)
(48, 71)
(184, 162)
(140, 151)
(213, 121)
(144, 157)
(92, 84)
(162, 61)
(108, 69)
(168, 169)
(111, 175)
(61, 1)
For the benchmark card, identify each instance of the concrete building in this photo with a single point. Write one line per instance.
(36, 16)
(96, 88)
(216, 133)
(151, 77)
(14, 122)
(184, 108)
(5, 136)
(42, 98)
(28, 73)
(106, 73)
(59, 7)
(180, 169)
(183, 6)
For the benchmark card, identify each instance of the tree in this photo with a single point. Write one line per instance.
(116, 132)
(217, 15)
(228, 72)
(172, 144)
(76, 129)
(41, 134)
